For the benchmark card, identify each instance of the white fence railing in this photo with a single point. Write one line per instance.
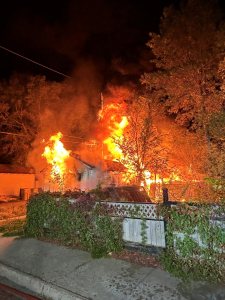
(155, 231)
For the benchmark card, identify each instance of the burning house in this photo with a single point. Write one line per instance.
(108, 172)
(67, 170)
(83, 175)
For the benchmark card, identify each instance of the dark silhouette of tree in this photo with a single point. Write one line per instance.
(22, 102)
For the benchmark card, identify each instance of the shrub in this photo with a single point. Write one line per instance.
(86, 223)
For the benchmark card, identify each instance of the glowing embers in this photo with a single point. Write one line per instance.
(56, 154)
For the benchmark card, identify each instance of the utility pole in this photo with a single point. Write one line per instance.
(102, 106)
(101, 101)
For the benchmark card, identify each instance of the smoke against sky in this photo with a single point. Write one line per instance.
(101, 44)
(61, 34)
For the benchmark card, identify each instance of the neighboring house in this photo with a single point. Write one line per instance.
(14, 178)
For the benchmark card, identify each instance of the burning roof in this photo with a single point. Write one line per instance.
(106, 164)
(111, 165)
(78, 158)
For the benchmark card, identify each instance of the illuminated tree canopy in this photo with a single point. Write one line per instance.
(188, 82)
(188, 53)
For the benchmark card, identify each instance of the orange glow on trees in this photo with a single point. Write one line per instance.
(189, 79)
(135, 142)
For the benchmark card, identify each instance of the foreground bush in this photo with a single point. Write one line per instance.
(86, 224)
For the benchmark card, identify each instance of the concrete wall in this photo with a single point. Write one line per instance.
(10, 184)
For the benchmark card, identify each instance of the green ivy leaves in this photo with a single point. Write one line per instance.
(81, 224)
(185, 256)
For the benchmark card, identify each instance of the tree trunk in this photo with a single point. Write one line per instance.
(207, 137)
(155, 187)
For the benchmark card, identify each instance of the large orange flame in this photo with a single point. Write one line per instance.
(116, 124)
(55, 154)
(116, 132)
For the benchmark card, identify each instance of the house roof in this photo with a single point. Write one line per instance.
(84, 163)
(130, 193)
(13, 169)
(111, 165)
(107, 165)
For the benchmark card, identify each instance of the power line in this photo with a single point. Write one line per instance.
(36, 63)
(76, 137)
(12, 133)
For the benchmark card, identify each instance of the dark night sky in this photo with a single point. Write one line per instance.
(63, 34)
(66, 34)
(100, 43)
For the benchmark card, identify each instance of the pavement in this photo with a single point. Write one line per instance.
(49, 271)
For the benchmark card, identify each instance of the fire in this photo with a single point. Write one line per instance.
(113, 115)
(116, 132)
(55, 155)
(116, 125)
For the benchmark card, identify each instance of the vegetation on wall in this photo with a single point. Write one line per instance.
(85, 224)
(187, 257)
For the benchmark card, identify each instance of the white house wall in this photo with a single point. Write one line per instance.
(90, 181)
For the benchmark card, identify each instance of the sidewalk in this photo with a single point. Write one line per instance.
(46, 270)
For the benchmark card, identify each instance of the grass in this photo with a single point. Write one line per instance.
(12, 228)
(12, 212)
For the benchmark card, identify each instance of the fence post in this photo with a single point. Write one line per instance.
(165, 196)
(166, 203)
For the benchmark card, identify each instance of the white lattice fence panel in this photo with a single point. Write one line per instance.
(146, 210)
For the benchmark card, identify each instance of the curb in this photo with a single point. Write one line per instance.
(17, 293)
(39, 287)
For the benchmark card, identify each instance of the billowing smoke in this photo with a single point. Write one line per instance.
(73, 113)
